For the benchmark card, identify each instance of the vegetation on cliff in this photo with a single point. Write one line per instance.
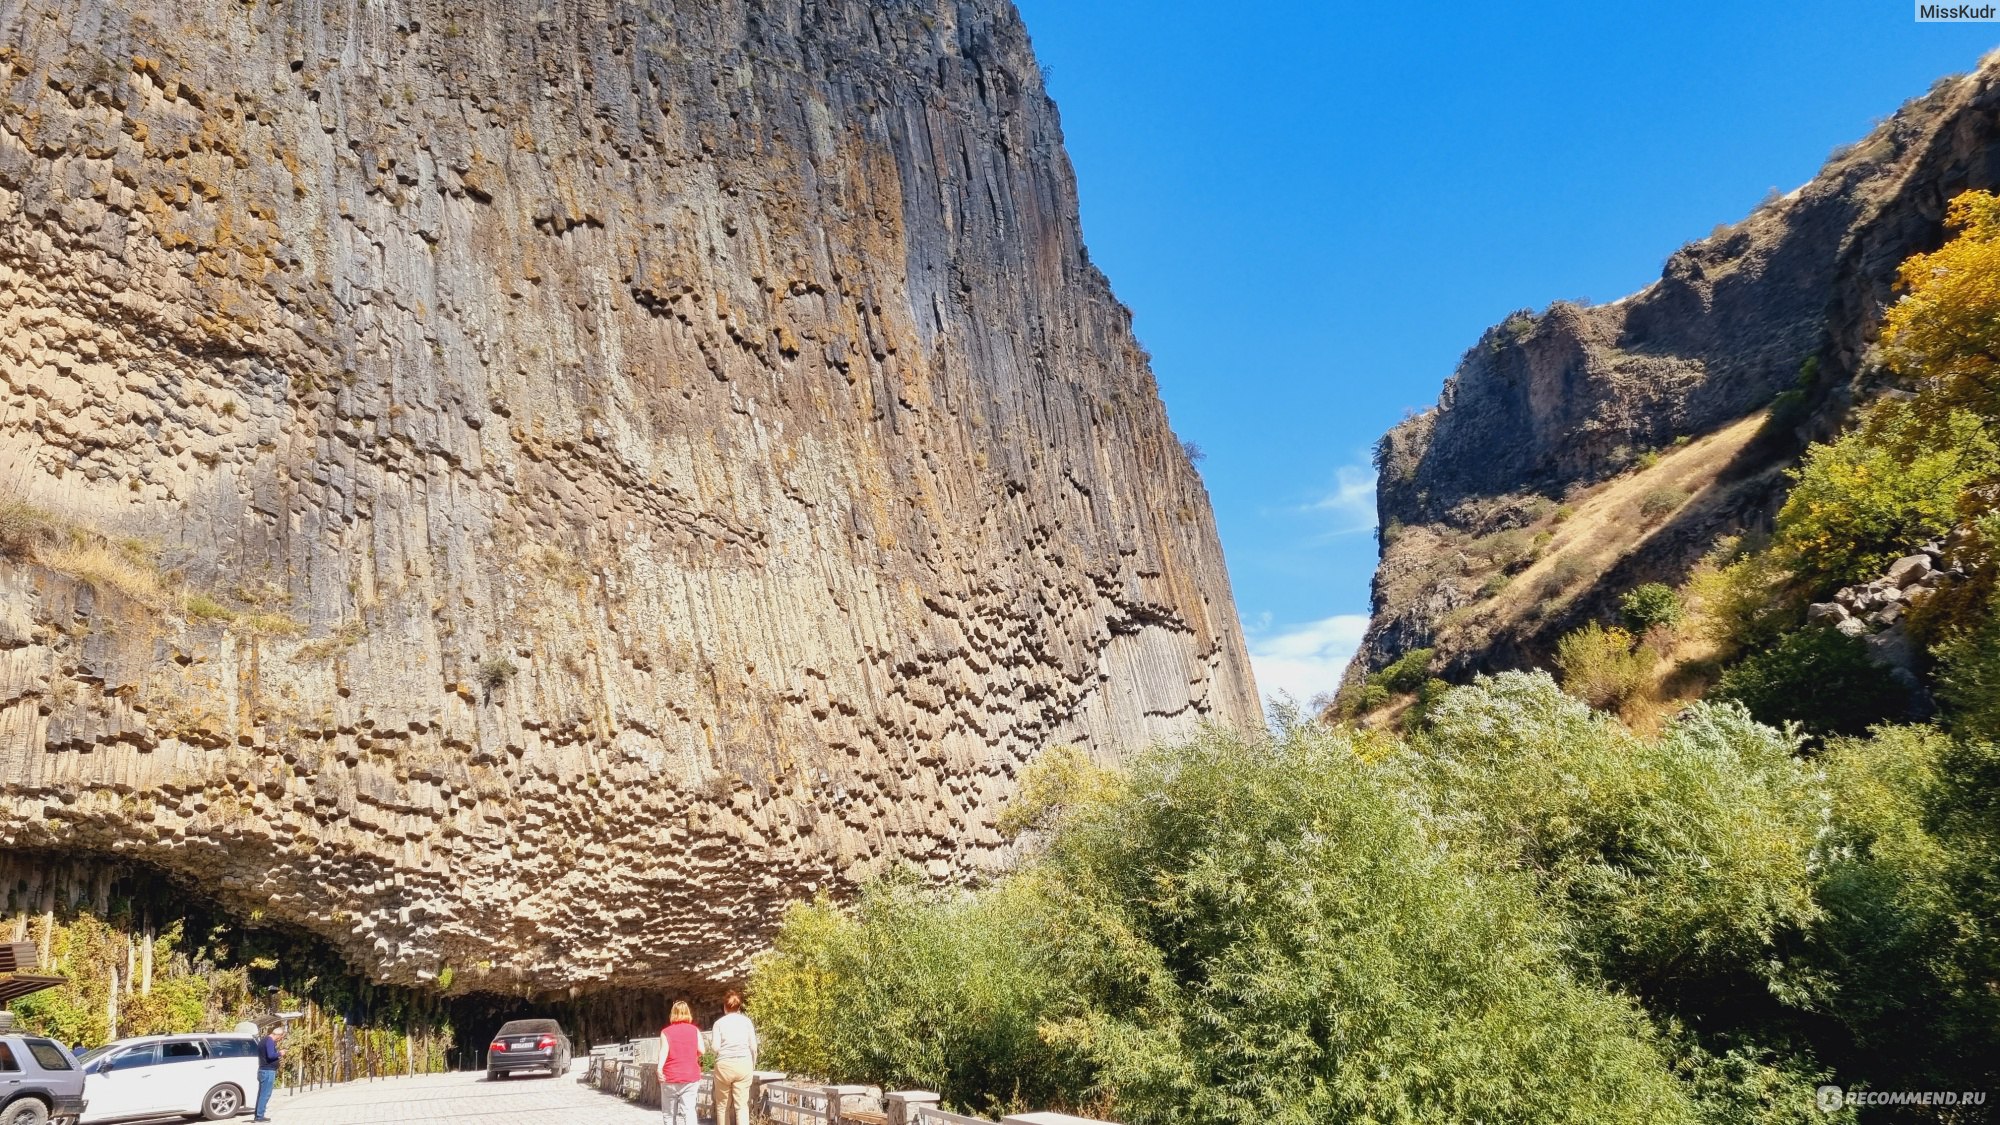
(1523, 911)
(143, 958)
(1602, 900)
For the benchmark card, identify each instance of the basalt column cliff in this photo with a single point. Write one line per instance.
(523, 490)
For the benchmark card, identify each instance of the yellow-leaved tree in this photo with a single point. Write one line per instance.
(1945, 331)
(1915, 468)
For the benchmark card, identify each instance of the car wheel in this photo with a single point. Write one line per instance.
(223, 1101)
(495, 1075)
(27, 1111)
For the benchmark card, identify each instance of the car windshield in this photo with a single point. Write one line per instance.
(529, 1027)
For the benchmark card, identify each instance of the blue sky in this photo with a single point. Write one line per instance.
(1314, 209)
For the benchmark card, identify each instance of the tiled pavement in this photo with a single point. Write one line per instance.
(458, 1099)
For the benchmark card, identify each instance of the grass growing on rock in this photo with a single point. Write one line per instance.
(124, 566)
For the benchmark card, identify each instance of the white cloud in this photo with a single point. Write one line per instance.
(1351, 503)
(1307, 659)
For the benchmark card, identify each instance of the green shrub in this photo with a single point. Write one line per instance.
(1910, 892)
(1821, 679)
(201, 607)
(1456, 926)
(1968, 674)
(1603, 667)
(1369, 696)
(495, 671)
(917, 989)
(1650, 605)
(1752, 1085)
(1407, 673)
(1249, 929)
(1566, 572)
(1875, 493)
(1263, 932)
(1788, 409)
(1504, 548)
(1661, 502)
(23, 526)
(1672, 861)
(1743, 599)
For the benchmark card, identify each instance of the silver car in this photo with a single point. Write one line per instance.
(39, 1082)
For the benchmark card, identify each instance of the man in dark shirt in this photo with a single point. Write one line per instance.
(267, 1070)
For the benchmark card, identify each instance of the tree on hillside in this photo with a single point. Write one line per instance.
(1945, 332)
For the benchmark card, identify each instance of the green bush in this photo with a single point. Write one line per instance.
(1968, 675)
(919, 990)
(1249, 929)
(1650, 605)
(1672, 861)
(1753, 1085)
(1504, 548)
(1460, 925)
(1566, 572)
(1821, 679)
(1408, 672)
(495, 671)
(1910, 892)
(1661, 502)
(1875, 493)
(1264, 932)
(1742, 598)
(1603, 667)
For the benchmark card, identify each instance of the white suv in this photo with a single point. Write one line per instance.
(206, 1076)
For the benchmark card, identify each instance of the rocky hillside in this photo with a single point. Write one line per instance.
(1647, 410)
(525, 490)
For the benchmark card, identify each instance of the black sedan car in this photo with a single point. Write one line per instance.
(528, 1045)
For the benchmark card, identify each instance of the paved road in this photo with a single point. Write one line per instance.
(461, 1099)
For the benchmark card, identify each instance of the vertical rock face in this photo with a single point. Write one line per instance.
(1546, 404)
(528, 489)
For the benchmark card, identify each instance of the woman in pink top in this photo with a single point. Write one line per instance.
(680, 1066)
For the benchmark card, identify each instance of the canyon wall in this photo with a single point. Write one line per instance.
(524, 491)
(1545, 406)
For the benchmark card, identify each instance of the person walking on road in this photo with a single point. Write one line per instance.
(680, 1067)
(267, 1070)
(734, 1039)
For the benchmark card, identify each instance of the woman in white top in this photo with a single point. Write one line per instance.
(734, 1041)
